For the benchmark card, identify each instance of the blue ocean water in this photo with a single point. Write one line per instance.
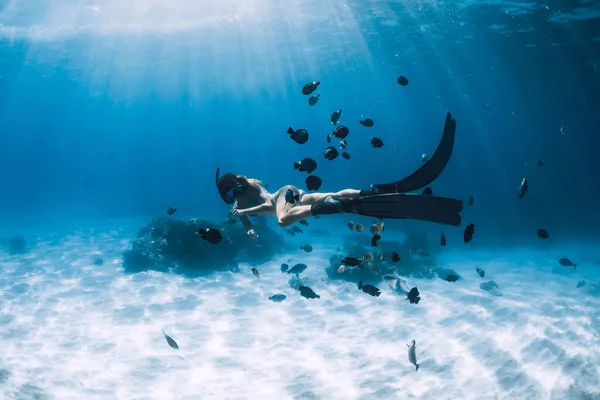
(112, 111)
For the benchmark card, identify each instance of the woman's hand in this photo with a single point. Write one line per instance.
(236, 213)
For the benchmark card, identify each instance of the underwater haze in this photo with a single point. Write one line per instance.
(112, 111)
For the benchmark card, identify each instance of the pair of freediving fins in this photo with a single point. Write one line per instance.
(392, 200)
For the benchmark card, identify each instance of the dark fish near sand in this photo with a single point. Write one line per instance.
(331, 153)
(299, 136)
(255, 272)
(310, 87)
(306, 247)
(471, 200)
(313, 99)
(374, 240)
(343, 144)
(427, 191)
(335, 117)
(346, 156)
(469, 231)
(313, 182)
(376, 142)
(539, 163)
(395, 257)
(307, 292)
(402, 81)
(303, 222)
(451, 278)
(284, 268)
(413, 296)
(341, 132)
(171, 210)
(523, 188)
(369, 289)
(480, 272)
(443, 240)
(565, 262)
(291, 197)
(170, 341)
(211, 235)
(367, 123)
(543, 233)
(277, 298)
(352, 261)
(307, 165)
(297, 269)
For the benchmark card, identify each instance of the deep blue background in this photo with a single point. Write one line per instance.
(126, 124)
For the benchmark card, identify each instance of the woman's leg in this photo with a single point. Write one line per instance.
(295, 214)
(312, 198)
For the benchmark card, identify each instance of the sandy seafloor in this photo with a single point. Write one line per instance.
(72, 330)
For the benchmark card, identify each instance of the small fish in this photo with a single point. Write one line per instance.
(543, 233)
(563, 131)
(346, 156)
(352, 262)
(328, 138)
(307, 292)
(359, 228)
(413, 296)
(289, 231)
(297, 269)
(417, 251)
(171, 210)
(565, 262)
(469, 231)
(367, 123)
(305, 165)
(395, 257)
(303, 222)
(375, 229)
(312, 100)
(170, 341)
(291, 197)
(341, 269)
(310, 87)
(412, 354)
(523, 188)
(313, 182)
(255, 272)
(369, 289)
(451, 278)
(335, 117)
(351, 225)
(341, 132)
(424, 158)
(376, 142)
(580, 284)
(306, 247)
(331, 153)
(284, 268)
(368, 258)
(402, 81)
(471, 200)
(296, 229)
(278, 298)
(343, 144)
(374, 240)
(427, 191)
(212, 236)
(539, 163)
(443, 239)
(299, 136)
(480, 272)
